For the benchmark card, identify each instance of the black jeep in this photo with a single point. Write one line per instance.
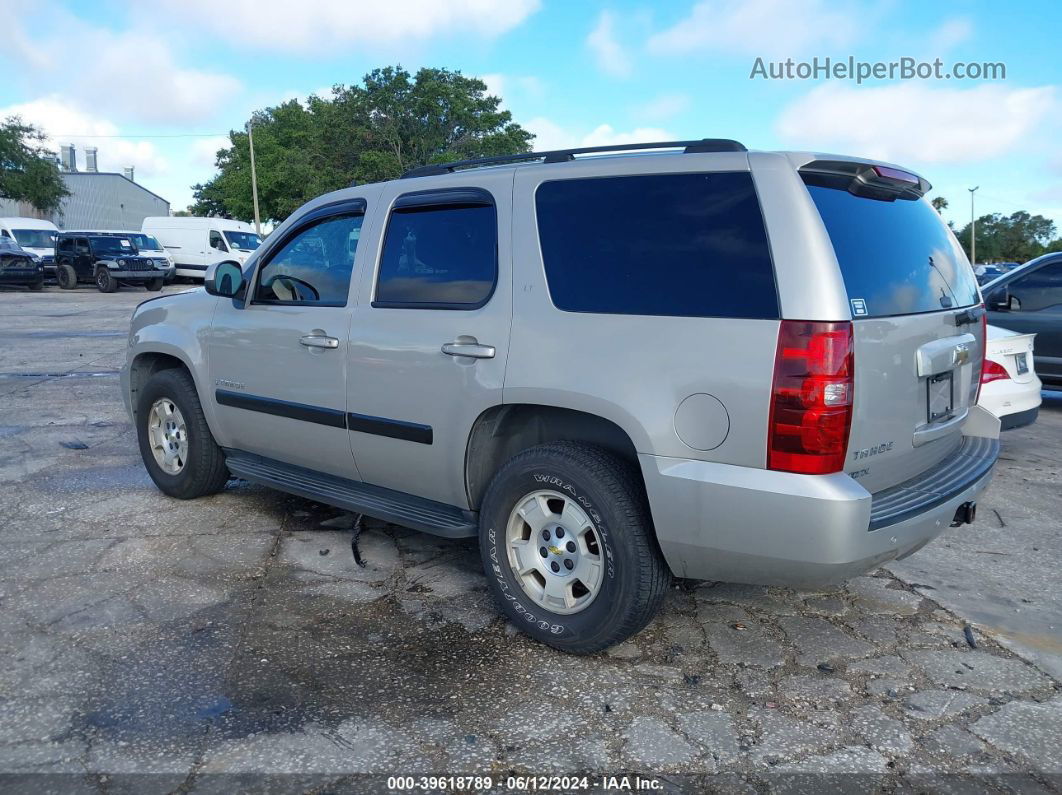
(18, 266)
(107, 260)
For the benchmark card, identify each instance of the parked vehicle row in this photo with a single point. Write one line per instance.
(188, 245)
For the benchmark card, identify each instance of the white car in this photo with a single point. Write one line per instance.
(1010, 388)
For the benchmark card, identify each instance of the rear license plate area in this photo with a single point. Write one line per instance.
(940, 395)
(1021, 360)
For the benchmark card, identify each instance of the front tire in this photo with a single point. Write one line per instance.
(36, 286)
(105, 282)
(66, 276)
(175, 441)
(568, 547)
(155, 285)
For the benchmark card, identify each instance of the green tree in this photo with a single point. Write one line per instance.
(28, 172)
(1017, 237)
(390, 122)
(939, 203)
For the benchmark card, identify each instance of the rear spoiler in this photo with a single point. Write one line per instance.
(868, 179)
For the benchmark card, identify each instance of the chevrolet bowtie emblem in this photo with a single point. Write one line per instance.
(961, 354)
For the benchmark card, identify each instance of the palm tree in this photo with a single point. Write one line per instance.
(939, 203)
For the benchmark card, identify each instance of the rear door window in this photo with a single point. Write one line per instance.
(897, 257)
(439, 252)
(689, 245)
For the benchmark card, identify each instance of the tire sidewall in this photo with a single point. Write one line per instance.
(104, 281)
(613, 598)
(68, 279)
(167, 386)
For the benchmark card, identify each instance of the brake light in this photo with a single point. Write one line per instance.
(811, 401)
(993, 371)
(979, 378)
(895, 175)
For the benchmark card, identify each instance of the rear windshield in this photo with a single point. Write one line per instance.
(896, 257)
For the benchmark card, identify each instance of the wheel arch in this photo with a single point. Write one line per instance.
(504, 430)
(162, 357)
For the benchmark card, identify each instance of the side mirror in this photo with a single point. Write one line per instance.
(224, 279)
(998, 300)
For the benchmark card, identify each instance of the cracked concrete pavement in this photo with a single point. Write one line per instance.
(148, 644)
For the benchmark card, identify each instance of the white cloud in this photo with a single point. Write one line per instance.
(768, 28)
(205, 150)
(915, 122)
(125, 75)
(505, 87)
(951, 33)
(663, 107)
(495, 84)
(135, 75)
(64, 124)
(610, 55)
(17, 44)
(550, 135)
(316, 25)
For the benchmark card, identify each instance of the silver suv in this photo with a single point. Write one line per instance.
(681, 359)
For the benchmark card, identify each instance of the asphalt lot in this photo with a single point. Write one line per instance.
(152, 645)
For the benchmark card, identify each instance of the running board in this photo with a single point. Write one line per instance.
(386, 505)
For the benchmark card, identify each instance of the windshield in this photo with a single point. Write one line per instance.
(245, 240)
(897, 257)
(145, 242)
(112, 245)
(35, 238)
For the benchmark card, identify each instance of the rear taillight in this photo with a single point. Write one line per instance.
(811, 403)
(993, 371)
(979, 377)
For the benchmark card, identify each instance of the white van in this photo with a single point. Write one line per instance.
(34, 235)
(196, 243)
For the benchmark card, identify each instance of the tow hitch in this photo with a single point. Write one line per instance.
(965, 514)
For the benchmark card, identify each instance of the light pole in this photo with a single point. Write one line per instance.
(254, 181)
(973, 224)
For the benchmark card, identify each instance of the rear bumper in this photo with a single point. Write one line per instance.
(737, 524)
(1019, 419)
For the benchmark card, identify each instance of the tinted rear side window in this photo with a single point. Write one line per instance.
(690, 245)
(897, 257)
(439, 257)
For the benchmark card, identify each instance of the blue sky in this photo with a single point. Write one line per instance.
(120, 74)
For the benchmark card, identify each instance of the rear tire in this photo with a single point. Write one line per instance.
(199, 470)
(588, 510)
(66, 276)
(155, 285)
(105, 282)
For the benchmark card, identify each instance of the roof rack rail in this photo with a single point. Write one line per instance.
(564, 155)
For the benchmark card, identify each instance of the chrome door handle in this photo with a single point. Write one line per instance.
(472, 349)
(315, 341)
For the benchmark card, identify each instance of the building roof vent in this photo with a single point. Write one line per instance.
(127, 172)
(90, 159)
(68, 157)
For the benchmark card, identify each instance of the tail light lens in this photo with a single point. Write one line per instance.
(811, 402)
(993, 371)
